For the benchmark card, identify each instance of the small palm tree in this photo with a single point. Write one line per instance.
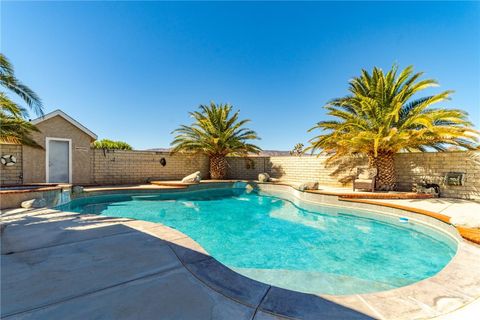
(381, 117)
(217, 133)
(297, 150)
(14, 128)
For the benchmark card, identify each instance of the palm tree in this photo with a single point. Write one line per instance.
(17, 131)
(217, 133)
(381, 117)
(14, 127)
(297, 150)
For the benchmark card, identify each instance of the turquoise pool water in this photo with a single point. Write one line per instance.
(308, 248)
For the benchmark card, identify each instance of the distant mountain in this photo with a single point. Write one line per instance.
(159, 149)
(274, 153)
(263, 153)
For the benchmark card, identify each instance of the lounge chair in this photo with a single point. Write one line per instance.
(365, 179)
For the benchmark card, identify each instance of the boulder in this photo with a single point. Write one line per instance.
(308, 186)
(192, 178)
(426, 189)
(264, 177)
(431, 191)
(34, 203)
(77, 189)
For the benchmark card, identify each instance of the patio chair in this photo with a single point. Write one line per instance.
(365, 179)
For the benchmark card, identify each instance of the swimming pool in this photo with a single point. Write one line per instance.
(304, 247)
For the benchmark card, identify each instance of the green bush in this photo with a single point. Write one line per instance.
(111, 145)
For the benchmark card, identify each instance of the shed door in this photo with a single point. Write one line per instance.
(58, 161)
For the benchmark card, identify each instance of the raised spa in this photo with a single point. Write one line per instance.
(305, 247)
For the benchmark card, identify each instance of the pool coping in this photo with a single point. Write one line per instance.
(453, 287)
(43, 187)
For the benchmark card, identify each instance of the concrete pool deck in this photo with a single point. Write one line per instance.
(456, 209)
(58, 265)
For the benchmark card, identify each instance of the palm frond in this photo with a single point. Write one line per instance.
(9, 81)
(215, 131)
(17, 131)
(380, 115)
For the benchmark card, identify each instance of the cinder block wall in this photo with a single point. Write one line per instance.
(302, 169)
(122, 167)
(246, 168)
(11, 174)
(433, 166)
(294, 169)
(410, 168)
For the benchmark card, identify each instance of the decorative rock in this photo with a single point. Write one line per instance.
(430, 191)
(34, 203)
(77, 189)
(308, 186)
(192, 178)
(426, 188)
(264, 177)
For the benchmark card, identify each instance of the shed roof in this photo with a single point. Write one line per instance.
(65, 116)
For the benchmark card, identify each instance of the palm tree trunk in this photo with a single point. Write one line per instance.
(385, 164)
(218, 167)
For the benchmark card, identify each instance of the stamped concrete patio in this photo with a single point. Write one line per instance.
(58, 265)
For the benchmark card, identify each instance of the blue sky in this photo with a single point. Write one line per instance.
(132, 71)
